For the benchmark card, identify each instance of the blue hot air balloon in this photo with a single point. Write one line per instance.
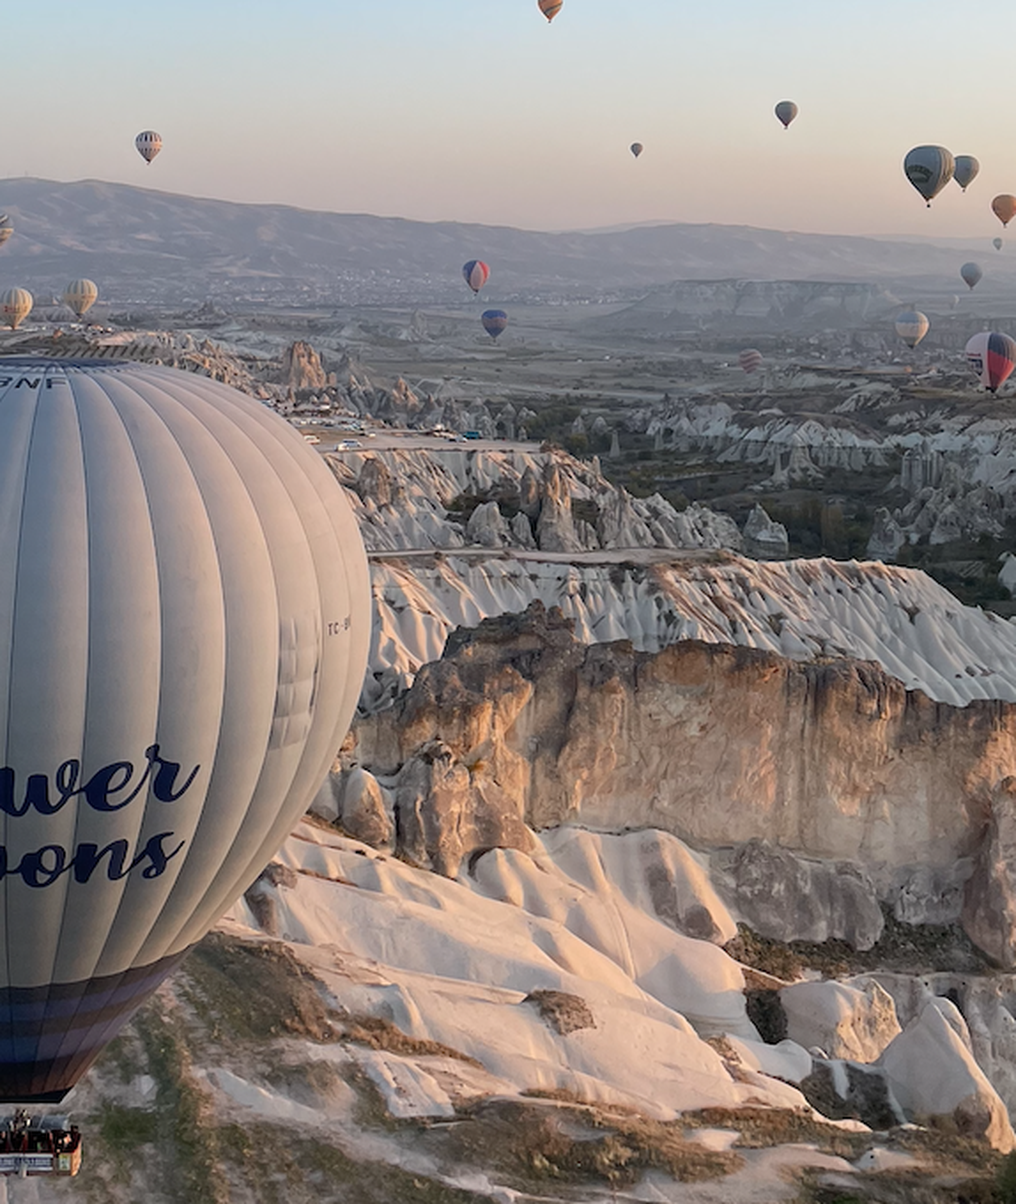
(184, 624)
(495, 322)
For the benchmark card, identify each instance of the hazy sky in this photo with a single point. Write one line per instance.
(478, 110)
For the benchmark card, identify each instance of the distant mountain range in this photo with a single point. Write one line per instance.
(147, 247)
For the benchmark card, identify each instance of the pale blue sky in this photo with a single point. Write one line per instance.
(478, 110)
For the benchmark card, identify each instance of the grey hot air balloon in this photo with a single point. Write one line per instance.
(971, 273)
(637, 148)
(965, 170)
(997, 244)
(80, 296)
(786, 111)
(15, 306)
(912, 326)
(185, 616)
(929, 169)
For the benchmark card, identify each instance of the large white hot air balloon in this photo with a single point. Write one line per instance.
(148, 143)
(15, 306)
(184, 617)
(80, 296)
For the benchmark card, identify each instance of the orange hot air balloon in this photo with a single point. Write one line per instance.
(1004, 207)
(550, 8)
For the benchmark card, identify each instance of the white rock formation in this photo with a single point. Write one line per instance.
(844, 1021)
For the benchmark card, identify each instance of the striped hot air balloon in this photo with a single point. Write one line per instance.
(80, 296)
(15, 306)
(750, 360)
(992, 356)
(476, 274)
(495, 322)
(912, 326)
(550, 8)
(149, 143)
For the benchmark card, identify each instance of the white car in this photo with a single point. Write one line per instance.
(312, 438)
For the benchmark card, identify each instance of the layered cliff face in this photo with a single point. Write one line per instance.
(519, 726)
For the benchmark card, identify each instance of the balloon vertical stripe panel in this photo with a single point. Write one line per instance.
(342, 579)
(183, 653)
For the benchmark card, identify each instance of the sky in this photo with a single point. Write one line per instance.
(478, 110)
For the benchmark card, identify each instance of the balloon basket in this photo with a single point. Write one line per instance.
(32, 1146)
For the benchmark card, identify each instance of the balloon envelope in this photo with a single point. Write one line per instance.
(971, 273)
(929, 169)
(476, 274)
(149, 143)
(997, 244)
(750, 359)
(912, 326)
(637, 148)
(495, 322)
(550, 8)
(992, 356)
(966, 168)
(80, 296)
(15, 306)
(786, 111)
(1004, 207)
(186, 617)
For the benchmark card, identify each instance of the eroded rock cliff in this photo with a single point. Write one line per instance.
(880, 793)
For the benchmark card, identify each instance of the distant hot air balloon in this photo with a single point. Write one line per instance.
(15, 306)
(750, 360)
(993, 357)
(6, 228)
(149, 143)
(929, 169)
(495, 322)
(476, 274)
(971, 273)
(997, 244)
(965, 170)
(185, 659)
(550, 8)
(912, 326)
(637, 148)
(1004, 207)
(80, 296)
(786, 111)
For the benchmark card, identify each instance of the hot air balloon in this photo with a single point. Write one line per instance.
(637, 148)
(929, 169)
(6, 228)
(495, 322)
(550, 8)
(997, 244)
(186, 619)
(15, 306)
(149, 143)
(476, 274)
(965, 169)
(750, 360)
(80, 296)
(1004, 207)
(971, 273)
(912, 326)
(993, 357)
(786, 111)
